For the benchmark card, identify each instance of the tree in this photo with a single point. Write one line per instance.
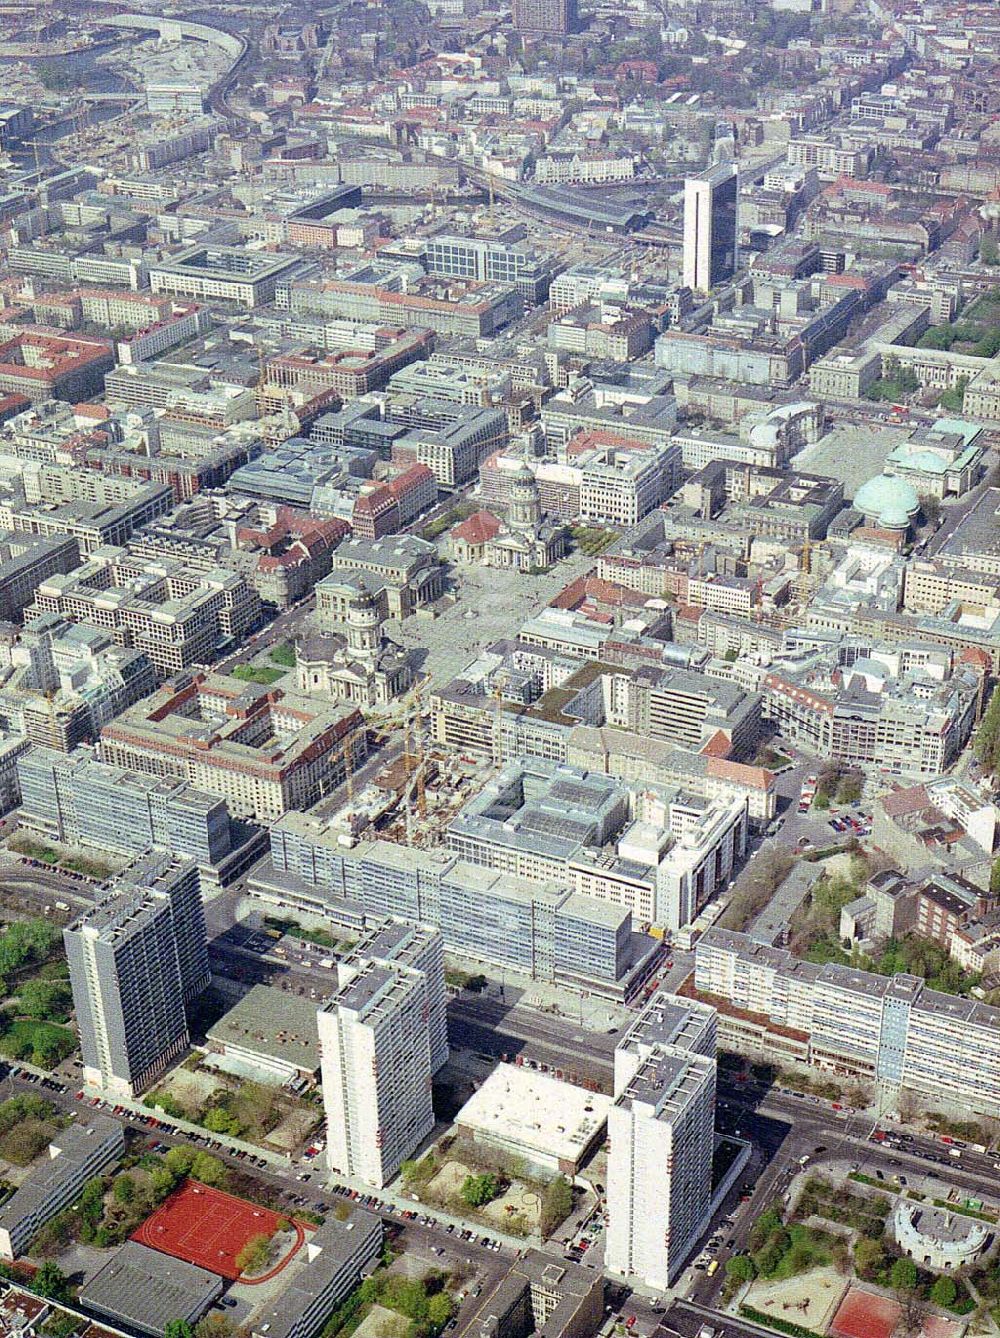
(214, 1325)
(995, 877)
(254, 1255)
(903, 1275)
(989, 249)
(49, 1047)
(124, 1189)
(50, 1281)
(439, 1310)
(557, 1203)
(178, 1328)
(209, 1170)
(179, 1161)
(161, 1182)
(740, 1268)
(46, 1000)
(869, 1256)
(944, 1292)
(478, 1190)
(986, 744)
(219, 1121)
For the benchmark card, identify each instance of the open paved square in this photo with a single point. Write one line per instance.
(490, 605)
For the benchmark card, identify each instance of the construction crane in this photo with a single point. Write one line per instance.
(347, 752)
(421, 759)
(498, 725)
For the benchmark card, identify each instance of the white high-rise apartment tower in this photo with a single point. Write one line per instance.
(662, 1134)
(376, 1064)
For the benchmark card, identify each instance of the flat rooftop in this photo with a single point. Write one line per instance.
(145, 1290)
(272, 1023)
(536, 1111)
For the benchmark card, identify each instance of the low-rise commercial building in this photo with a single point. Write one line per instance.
(536, 1117)
(145, 1291)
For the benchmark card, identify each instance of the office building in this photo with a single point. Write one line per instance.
(683, 707)
(661, 1128)
(76, 1155)
(376, 1069)
(135, 960)
(710, 227)
(68, 679)
(42, 366)
(543, 931)
(76, 800)
(26, 559)
(177, 615)
(909, 709)
(475, 258)
(535, 817)
(264, 750)
(207, 273)
(892, 1033)
(545, 16)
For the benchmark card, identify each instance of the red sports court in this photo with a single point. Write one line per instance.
(208, 1227)
(863, 1314)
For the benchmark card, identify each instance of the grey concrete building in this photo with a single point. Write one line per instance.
(135, 961)
(75, 1154)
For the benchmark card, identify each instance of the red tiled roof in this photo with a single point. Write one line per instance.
(717, 746)
(478, 529)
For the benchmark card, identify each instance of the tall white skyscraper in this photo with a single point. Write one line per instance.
(377, 1062)
(711, 202)
(662, 1134)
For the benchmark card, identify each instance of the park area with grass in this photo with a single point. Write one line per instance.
(393, 1304)
(28, 1125)
(225, 1104)
(34, 984)
(74, 861)
(591, 539)
(490, 1187)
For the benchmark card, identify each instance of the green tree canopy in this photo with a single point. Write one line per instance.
(944, 1292)
(741, 1268)
(50, 1281)
(478, 1190)
(903, 1275)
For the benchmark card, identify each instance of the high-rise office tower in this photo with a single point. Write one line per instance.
(135, 960)
(711, 201)
(662, 1134)
(545, 16)
(375, 1049)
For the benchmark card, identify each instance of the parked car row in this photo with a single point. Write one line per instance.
(154, 1122)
